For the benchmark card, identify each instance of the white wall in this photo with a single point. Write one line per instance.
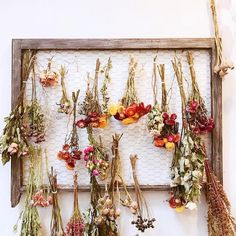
(119, 19)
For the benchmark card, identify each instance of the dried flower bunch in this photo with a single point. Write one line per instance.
(30, 217)
(75, 226)
(56, 225)
(161, 123)
(129, 110)
(13, 142)
(34, 120)
(65, 103)
(143, 221)
(222, 66)
(47, 77)
(71, 152)
(196, 111)
(220, 220)
(188, 162)
(96, 114)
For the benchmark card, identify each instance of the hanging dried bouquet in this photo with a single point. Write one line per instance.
(188, 162)
(75, 226)
(65, 103)
(71, 152)
(161, 123)
(129, 110)
(13, 142)
(143, 221)
(96, 114)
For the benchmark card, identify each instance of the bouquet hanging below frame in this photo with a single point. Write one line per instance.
(129, 110)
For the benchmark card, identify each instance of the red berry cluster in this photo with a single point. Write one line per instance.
(40, 200)
(70, 153)
(93, 120)
(75, 227)
(197, 117)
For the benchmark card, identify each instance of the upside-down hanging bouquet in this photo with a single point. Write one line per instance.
(75, 226)
(161, 123)
(71, 152)
(129, 110)
(188, 162)
(144, 220)
(196, 111)
(96, 114)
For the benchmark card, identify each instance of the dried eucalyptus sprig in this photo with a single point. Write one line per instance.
(222, 66)
(196, 111)
(71, 152)
(96, 117)
(220, 220)
(161, 123)
(188, 162)
(75, 226)
(34, 120)
(56, 225)
(143, 221)
(65, 103)
(30, 217)
(13, 142)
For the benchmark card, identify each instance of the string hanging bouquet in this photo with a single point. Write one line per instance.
(65, 103)
(30, 224)
(71, 152)
(34, 119)
(188, 162)
(129, 110)
(220, 220)
(143, 221)
(56, 225)
(161, 123)
(14, 142)
(75, 226)
(48, 77)
(96, 114)
(196, 111)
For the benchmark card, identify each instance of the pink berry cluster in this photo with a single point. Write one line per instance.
(96, 163)
(197, 117)
(40, 200)
(75, 227)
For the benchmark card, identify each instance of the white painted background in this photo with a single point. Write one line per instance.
(120, 19)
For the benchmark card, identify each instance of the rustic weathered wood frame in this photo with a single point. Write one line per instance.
(18, 45)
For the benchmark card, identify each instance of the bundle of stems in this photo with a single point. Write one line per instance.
(196, 110)
(75, 226)
(13, 142)
(220, 220)
(92, 227)
(143, 221)
(56, 225)
(30, 217)
(34, 117)
(222, 65)
(188, 162)
(130, 95)
(65, 103)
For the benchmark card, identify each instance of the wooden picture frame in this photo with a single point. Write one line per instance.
(19, 45)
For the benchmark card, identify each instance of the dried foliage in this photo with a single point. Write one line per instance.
(143, 221)
(13, 142)
(56, 225)
(75, 226)
(220, 220)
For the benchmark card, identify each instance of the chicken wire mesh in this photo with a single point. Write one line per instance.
(153, 167)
